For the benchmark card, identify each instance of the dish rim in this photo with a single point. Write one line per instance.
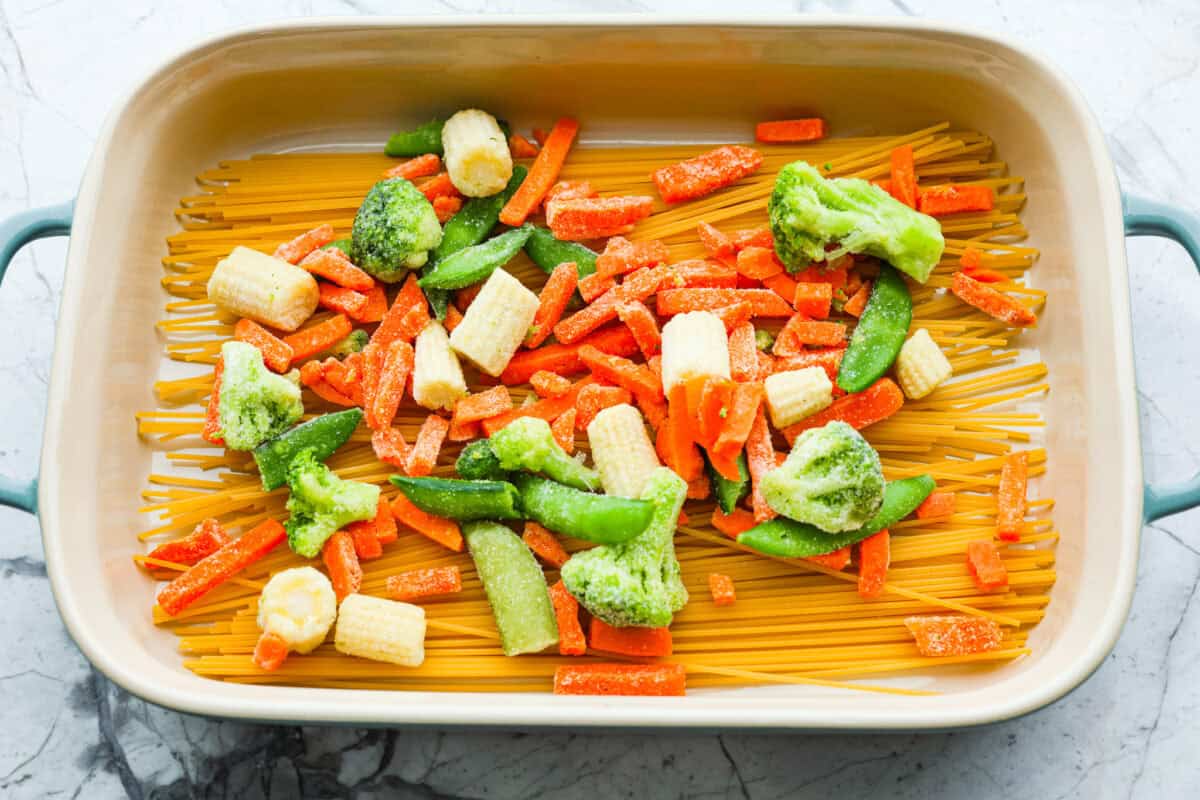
(462, 710)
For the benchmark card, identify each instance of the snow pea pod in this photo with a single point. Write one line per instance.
(462, 500)
(787, 538)
(547, 252)
(600, 518)
(515, 587)
(323, 435)
(879, 334)
(423, 139)
(475, 264)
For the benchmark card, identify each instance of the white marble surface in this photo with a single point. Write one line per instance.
(1130, 731)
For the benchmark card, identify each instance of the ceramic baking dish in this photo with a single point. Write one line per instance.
(350, 82)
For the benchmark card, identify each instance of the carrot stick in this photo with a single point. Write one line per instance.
(324, 390)
(790, 130)
(563, 430)
(366, 543)
(878, 402)
(390, 447)
(397, 366)
(700, 274)
(424, 453)
(552, 302)
(206, 539)
(801, 331)
(743, 353)
(464, 432)
(904, 176)
(212, 412)
(548, 384)
(829, 359)
(754, 237)
(270, 651)
(277, 354)
(857, 303)
(375, 307)
(594, 286)
(395, 323)
(1010, 496)
(446, 207)
(991, 302)
(715, 242)
(637, 286)
(721, 588)
(985, 565)
(569, 190)
(453, 317)
(874, 556)
(443, 531)
(563, 359)
(642, 324)
(219, 567)
(621, 256)
(758, 263)
(482, 405)
(836, 276)
(520, 147)
(305, 243)
(675, 444)
(542, 173)
(954, 199)
(342, 300)
(571, 641)
(544, 544)
(737, 521)
(657, 680)
(716, 394)
(636, 378)
(644, 642)
(314, 339)
(954, 635)
(417, 583)
(734, 315)
(760, 459)
(439, 185)
(763, 302)
(583, 218)
(345, 380)
(782, 285)
(706, 173)
(372, 365)
(594, 398)
(419, 167)
(331, 266)
(743, 407)
(345, 573)
(938, 504)
(384, 522)
(838, 559)
(548, 409)
(813, 300)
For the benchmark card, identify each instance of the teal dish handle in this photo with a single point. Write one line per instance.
(16, 232)
(1150, 218)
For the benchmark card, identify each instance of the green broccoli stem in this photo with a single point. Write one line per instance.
(323, 434)
(547, 252)
(461, 500)
(423, 139)
(475, 264)
(879, 334)
(478, 462)
(528, 443)
(595, 517)
(515, 588)
(787, 538)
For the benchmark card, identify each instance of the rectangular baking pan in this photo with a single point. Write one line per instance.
(326, 83)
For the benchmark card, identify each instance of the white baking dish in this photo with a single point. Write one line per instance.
(338, 82)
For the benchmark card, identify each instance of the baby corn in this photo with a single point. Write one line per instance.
(299, 606)
(921, 365)
(496, 323)
(694, 344)
(476, 153)
(264, 288)
(622, 450)
(438, 381)
(382, 630)
(796, 394)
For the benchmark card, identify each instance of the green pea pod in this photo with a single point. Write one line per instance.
(423, 139)
(470, 226)
(341, 244)
(323, 435)
(879, 334)
(787, 538)
(597, 518)
(475, 264)
(729, 492)
(462, 500)
(515, 588)
(547, 252)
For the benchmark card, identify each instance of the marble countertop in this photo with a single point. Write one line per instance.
(1130, 731)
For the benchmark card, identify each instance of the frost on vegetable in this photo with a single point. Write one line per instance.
(832, 479)
(254, 403)
(819, 219)
(394, 229)
(636, 582)
(321, 502)
(527, 443)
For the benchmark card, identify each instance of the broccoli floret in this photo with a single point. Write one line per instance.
(394, 230)
(254, 403)
(763, 339)
(636, 582)
(527, 443)
(354, 342)
(809, 212)
(478, 462)
(321, 502)
(832, 479)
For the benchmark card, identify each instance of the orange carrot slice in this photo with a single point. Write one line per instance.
(342, 300)
(758, 263)
(552, 302)
(938, 504)
(743, 407)
(569, 190)
(647, 680)
(743, 353)
(563, 430)
(277, 354)
(829, 359)
(706, 173)
(857, 303)
(621, 256)
(390, 447)
(305, 243)
(375, 308)
(439, 185)
(331, 266)
(394, 324)
(636, 378)
(571, 641)
(698, 273)
(715, 242)
(213, 570)
(674, 443)
(782, 285)
(482, 405)
(446, 207)
(760, 459)
(542, 173)
(341, 561)
(424, 453)
(874, 555)
(813, 300)
(206, 539)
(417, 583)
(801, 331)
(642, 324)
(904, 176)
(737, 521)
(790, 130)
(991, 302)
(366, 543)
(441, 530)
(954, 199)
(643, 642)
(583, 218)
(397, 367)
(563, 359)
(419, 167)
(985, 565)
(721, 588)
(878, 402)
(315, 338)
(838, 559)
(763, 302)
(953, 635)
(212, 412)
(595, 286)
(548, 384)
(453, 317)
(544, 544)
(270, 652)
(1010, 496)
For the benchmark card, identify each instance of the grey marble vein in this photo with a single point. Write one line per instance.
(1129, 732)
